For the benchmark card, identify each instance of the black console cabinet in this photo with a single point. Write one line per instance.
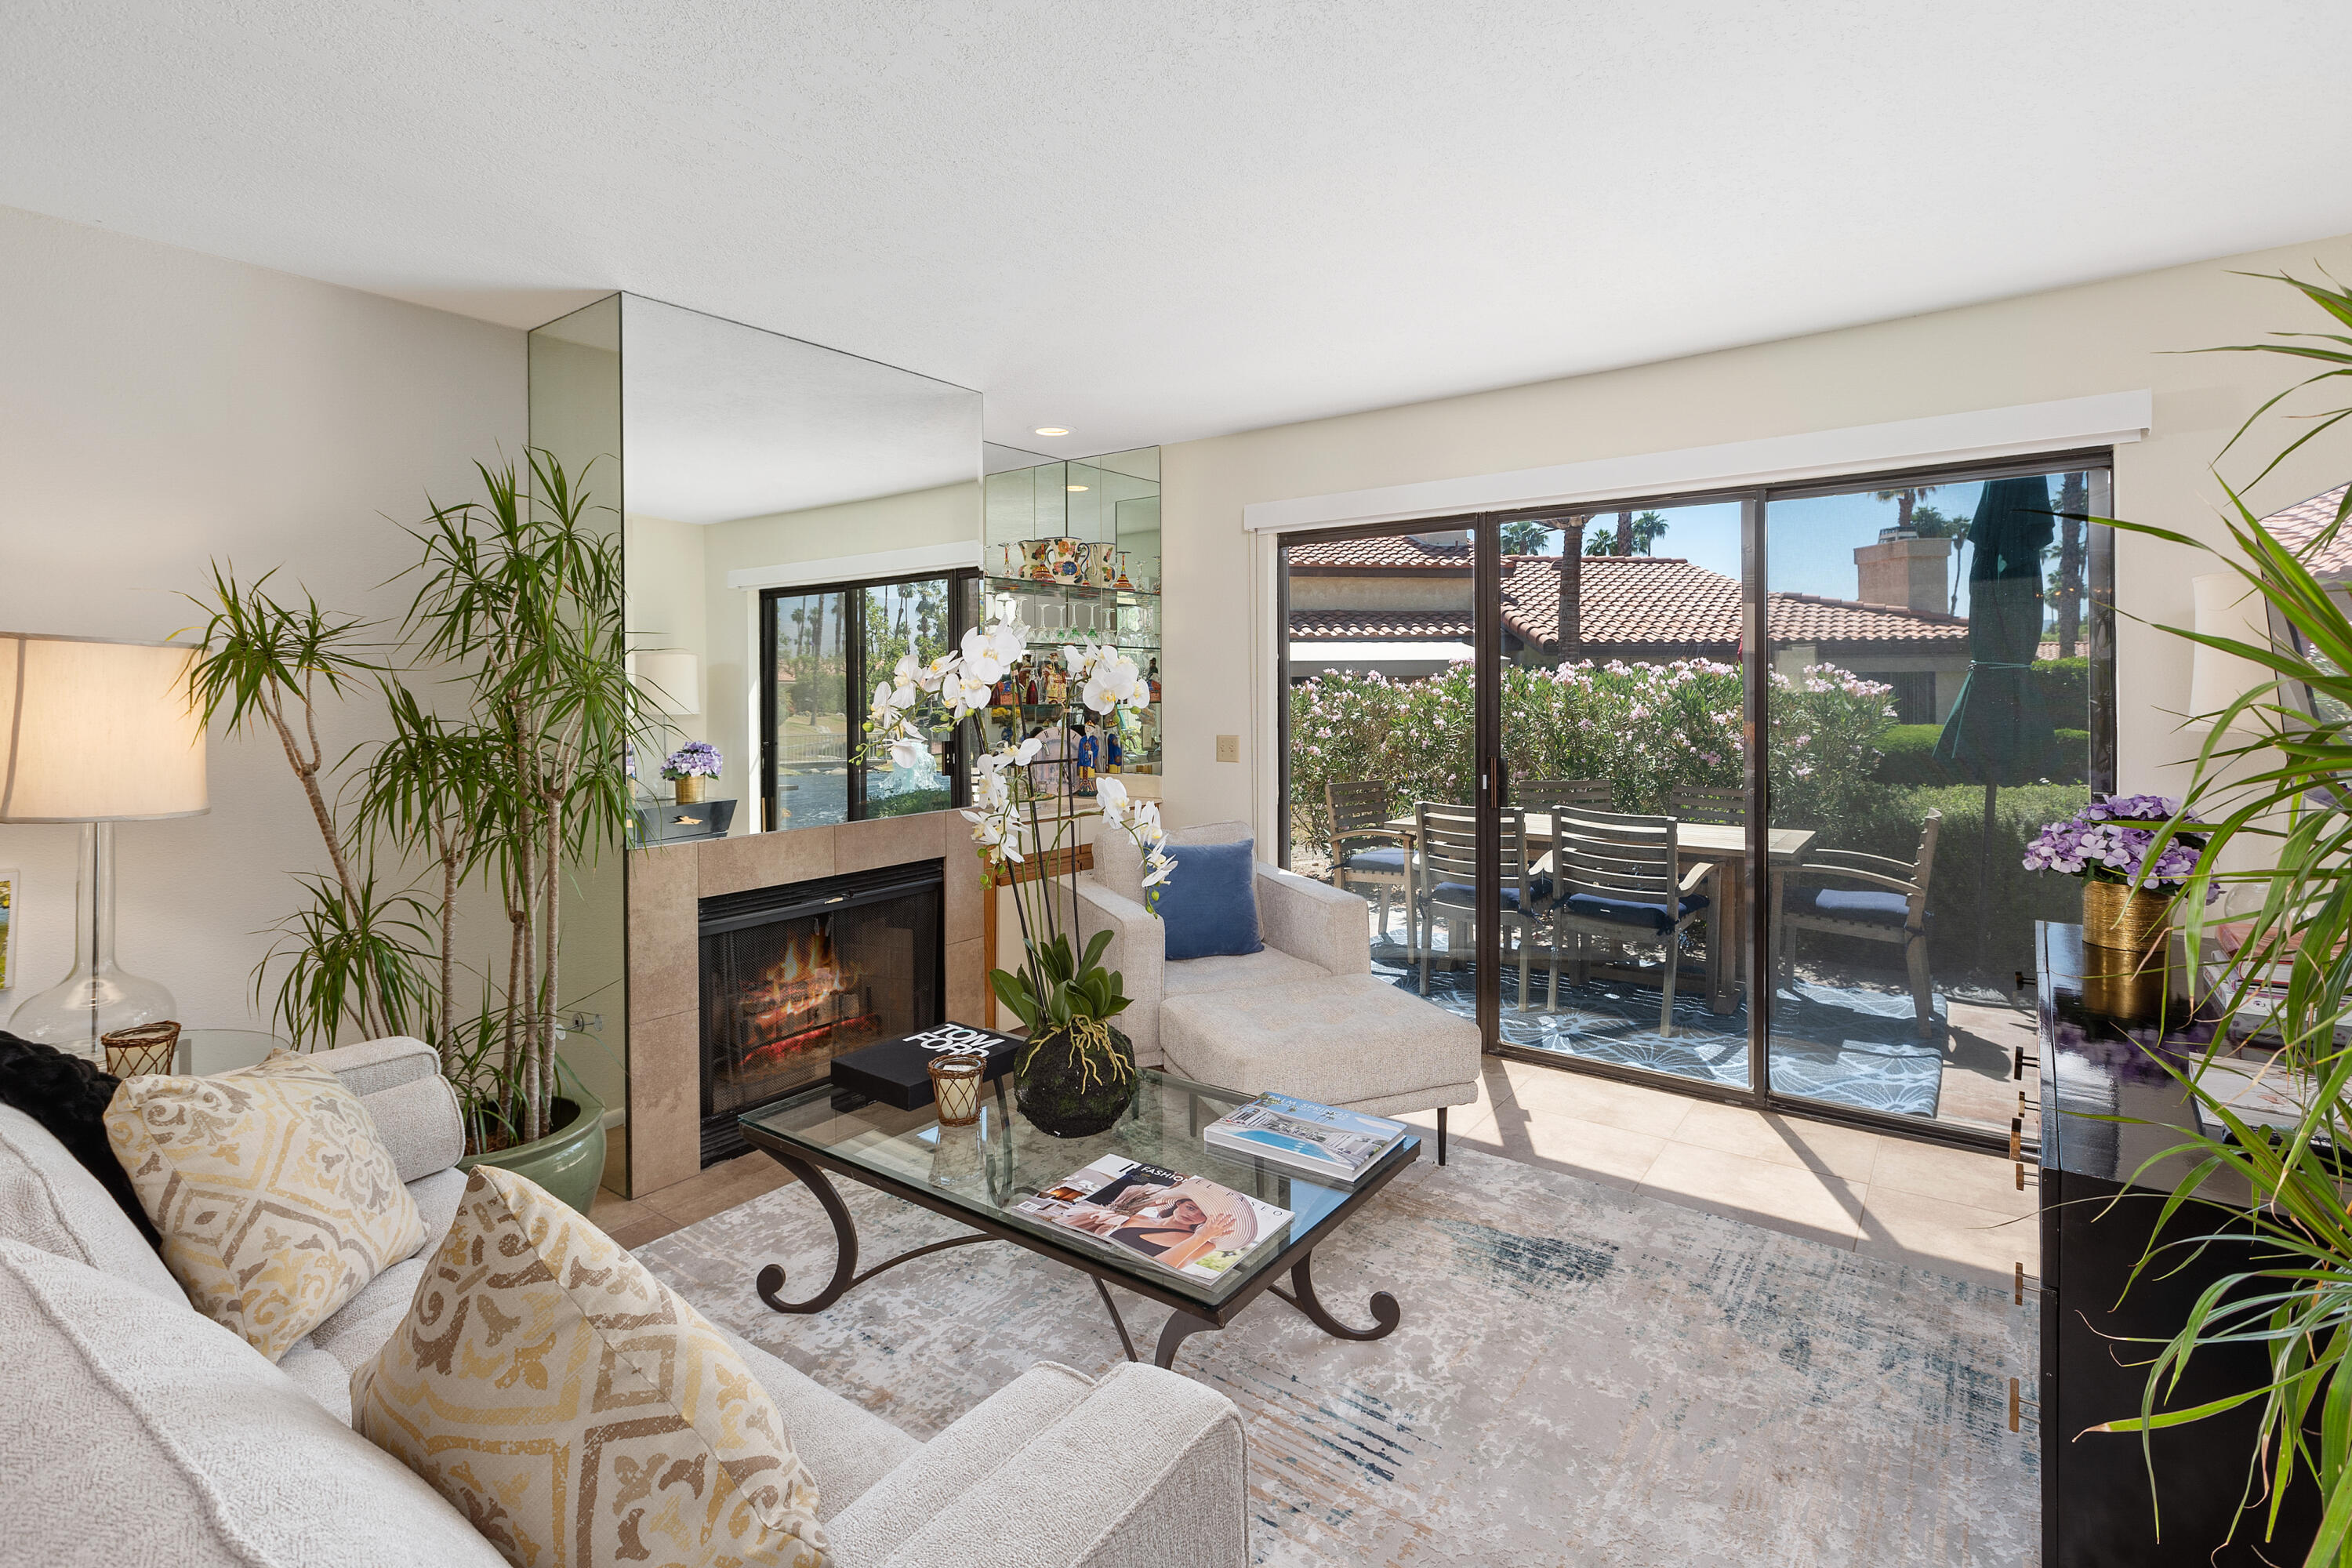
(2098, 1209)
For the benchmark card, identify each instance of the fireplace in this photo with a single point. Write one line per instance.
(793, 975)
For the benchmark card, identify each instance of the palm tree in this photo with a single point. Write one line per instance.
(1526, 537)
(1903, 501)
(1635, 532)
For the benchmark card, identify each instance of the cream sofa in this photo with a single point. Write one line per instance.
(1304, 1016)
(140, 1432)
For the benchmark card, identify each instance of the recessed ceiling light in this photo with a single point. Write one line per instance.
(1074, 489)
(1051, 430)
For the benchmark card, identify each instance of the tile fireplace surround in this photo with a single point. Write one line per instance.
(666, 883)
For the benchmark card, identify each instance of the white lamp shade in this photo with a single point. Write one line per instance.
(98, 732)
(672, 682)
(2228, 606)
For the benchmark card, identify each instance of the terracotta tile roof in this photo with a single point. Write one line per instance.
(1640, 604)
(1379, 626)
(2301, 524)
(1810, 618)
(1395, 554)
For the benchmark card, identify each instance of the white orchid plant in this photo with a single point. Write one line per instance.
(1059, 988)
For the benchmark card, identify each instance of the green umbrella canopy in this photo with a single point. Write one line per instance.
(2000, 731)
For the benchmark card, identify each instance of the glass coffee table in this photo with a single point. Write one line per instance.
(975, 1175)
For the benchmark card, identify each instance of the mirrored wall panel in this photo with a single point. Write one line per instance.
(797, 518)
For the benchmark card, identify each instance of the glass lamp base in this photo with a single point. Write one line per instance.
(87, 1004)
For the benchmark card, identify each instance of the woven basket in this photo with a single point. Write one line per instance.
(145, 1049)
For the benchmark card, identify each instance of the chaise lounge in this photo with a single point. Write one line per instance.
(1304, 1016)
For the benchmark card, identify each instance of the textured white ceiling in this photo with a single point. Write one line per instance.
(1152, 221)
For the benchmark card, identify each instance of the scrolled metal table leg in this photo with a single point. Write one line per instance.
(1386, 1313)
(1181, 1327)
(845, 1233)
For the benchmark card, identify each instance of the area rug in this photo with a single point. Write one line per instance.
(1582, 1375)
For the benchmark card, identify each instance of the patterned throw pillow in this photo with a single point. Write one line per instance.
(576, 1409)
(275, 1199)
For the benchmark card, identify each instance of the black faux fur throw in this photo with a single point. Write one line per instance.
(68, 1095)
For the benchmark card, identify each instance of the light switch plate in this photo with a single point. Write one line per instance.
(1229, 748)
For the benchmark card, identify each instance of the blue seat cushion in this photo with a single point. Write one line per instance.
(1466, 895)
(1631, 912)
(1862, 905)
(1391, 859)
(1209, 902)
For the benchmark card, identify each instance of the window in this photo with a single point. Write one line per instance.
(824, 649)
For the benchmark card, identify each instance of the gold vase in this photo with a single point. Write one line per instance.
(689, 790)
(2125, 920)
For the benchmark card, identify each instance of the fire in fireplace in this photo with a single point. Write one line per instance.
(793, 975)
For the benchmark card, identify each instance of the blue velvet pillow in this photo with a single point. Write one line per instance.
(1209, 902)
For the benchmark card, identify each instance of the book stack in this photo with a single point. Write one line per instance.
(1307, 1136)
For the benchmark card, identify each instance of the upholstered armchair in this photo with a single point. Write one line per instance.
(1305, 1016)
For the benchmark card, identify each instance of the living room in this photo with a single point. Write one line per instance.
(824, 671)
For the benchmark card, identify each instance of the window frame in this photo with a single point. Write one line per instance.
(963, 582)
(1755, 500)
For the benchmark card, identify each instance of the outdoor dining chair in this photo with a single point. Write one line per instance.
(1717, 805)
(1889, 905)
(1614, 877)
(1446, 879)
(1367, 855)
(1539, 796)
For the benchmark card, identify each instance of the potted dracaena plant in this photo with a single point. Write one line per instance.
(1077, 1074)
(2283, 799)
(517, 613)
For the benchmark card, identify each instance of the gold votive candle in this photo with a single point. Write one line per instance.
(955, 1088)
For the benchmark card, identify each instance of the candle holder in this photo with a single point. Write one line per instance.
(955, 1088)
(145, 1049)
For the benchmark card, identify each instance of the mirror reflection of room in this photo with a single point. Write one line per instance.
(797, 518)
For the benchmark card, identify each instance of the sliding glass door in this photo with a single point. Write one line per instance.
(824, 649)
(1931, 709)
(1522, 740)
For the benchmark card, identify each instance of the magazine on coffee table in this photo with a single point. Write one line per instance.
(1304, 1135)
(1185, 1223)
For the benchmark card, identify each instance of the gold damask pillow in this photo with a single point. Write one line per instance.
(576, 1409)
(275, 1199)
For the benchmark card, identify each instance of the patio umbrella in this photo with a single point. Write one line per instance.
(2000, 731)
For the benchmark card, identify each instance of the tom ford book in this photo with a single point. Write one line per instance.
(899, 1072)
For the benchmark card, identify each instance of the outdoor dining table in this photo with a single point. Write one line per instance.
(1725, 845)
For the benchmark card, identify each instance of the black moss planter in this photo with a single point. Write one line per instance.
(1070, 1098)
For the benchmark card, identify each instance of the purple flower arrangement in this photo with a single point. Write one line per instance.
(2108, 841)
(696, 759)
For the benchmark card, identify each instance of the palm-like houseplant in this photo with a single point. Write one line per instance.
(1078, 1071)
(2287, 794)
(516, 615)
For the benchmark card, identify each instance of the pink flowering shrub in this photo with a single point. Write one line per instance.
(1646, 728)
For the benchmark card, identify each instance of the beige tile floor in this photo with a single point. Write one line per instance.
(1886, 1197)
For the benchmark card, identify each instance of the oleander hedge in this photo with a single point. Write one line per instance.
(1840, 766)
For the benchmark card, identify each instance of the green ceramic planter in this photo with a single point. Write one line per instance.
(568, 1161)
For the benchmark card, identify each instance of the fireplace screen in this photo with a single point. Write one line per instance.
(792, 976)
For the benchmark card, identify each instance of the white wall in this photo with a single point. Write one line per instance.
(2115, 336)
(159, 408)
(668, 609)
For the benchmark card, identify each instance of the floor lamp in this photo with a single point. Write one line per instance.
(94, 733)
